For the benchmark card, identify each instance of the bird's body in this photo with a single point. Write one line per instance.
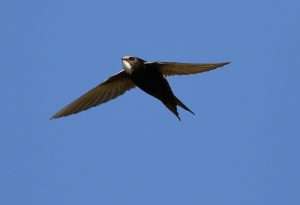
(148, 76)
(150, 80)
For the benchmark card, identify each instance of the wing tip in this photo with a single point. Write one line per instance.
(218, 65)
(225, 63)
(60, 114)
(55, 117)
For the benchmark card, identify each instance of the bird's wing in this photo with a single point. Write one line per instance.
(111, 88)
(171, 68)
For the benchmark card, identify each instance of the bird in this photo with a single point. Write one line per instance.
(150, 77)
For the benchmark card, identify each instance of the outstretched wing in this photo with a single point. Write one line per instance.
(111, 88)
(171, 68)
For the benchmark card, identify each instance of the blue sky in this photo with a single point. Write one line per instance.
(242, 147)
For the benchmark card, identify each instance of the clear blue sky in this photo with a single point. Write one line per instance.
(242, 147)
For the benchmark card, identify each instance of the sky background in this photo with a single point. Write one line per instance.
(242, 147)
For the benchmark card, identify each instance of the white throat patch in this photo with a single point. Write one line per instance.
(127, 67)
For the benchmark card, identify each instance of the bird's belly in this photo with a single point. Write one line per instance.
(153, 85)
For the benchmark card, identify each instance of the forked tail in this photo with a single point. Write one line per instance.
(173, 107)
(183, 106)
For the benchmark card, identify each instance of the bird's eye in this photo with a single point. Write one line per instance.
(131, 58)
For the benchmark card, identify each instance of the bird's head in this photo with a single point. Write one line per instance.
(131, 63)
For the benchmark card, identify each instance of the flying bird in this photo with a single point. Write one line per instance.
(148, 76)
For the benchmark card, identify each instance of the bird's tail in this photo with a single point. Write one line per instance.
(183, 105)
(172, 107)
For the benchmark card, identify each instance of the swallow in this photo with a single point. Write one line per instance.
(148, 76)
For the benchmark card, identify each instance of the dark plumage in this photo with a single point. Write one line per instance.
(148, 76)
